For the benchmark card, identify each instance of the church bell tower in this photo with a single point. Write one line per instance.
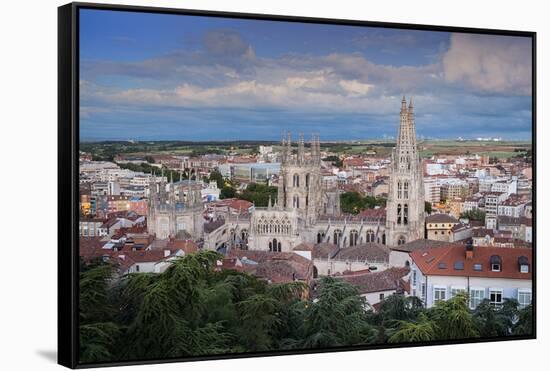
(405, 206)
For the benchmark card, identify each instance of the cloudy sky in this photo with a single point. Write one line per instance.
(167, 77)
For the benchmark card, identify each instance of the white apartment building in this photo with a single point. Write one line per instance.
(492, 273)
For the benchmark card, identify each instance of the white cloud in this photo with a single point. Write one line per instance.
(498, 64)
(355, 88)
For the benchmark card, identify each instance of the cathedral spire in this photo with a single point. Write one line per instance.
(405, 204)
(301, 149)
(289, 145)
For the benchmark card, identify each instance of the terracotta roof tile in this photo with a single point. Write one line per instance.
(441, 262)
(389, 279)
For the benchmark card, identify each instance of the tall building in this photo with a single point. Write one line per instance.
(405, 206)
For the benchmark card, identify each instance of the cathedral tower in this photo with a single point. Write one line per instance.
(300, 179)
(405, 206)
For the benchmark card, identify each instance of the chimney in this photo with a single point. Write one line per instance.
(469, 251)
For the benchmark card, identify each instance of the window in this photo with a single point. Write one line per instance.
(296, 180)
(353, 237)
(495, 297)
(523, 264)
(137, 267)
(476, 297)
(524, 297)
(478, 267)
(370, 235)
(337, 236)
(401, 240)
(320, 236)
(423, 290)
(296, 202)
(440, 293)
(381, 296)
(414, 277)
(399, 190)
(398, 213)
(456, 290)
(496, 263)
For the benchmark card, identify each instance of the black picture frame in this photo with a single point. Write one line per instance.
(68, 146)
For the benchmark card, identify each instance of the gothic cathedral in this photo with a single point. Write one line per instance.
(405, 206)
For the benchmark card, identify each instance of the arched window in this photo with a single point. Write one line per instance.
(370, 235)
(275, 246)
(399, 190)
(244, 239)
(399, 214)
(296, 180)
(406, 190)
(384, 239)
(353, 234)
(296, 201)
(337, 236)
(320, 236)
(405, 214)
(307, 180)
(401, 240)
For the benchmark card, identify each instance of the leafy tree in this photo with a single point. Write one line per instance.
(336, 161)
(428, 207)
(409, 332)
(337, 318)
(524, 325)
(227, 192)
(474, 214)
(400, 307)
(97, 341)
(496, 321)
(258, 194)
(98, 331)
(218, 178)
(453, 319)
(353, 202)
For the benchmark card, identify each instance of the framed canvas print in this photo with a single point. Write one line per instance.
(238, 185)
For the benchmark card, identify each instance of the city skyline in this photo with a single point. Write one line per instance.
(172, 77)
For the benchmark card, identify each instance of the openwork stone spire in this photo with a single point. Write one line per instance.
(405, 206)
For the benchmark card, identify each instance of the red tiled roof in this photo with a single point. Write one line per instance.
(188, 246)
(441, 261)
(441, 218)
(277, 267)
(304, 246)
(389, 279)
